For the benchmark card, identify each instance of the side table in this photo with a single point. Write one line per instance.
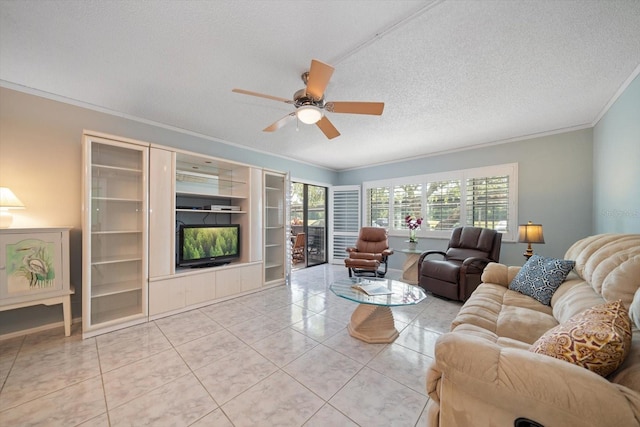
(410, 266)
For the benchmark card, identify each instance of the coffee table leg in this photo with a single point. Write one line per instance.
(373, 324)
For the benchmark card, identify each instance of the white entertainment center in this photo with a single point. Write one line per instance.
(137, 195)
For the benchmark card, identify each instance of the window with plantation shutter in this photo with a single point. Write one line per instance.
(487, 202)
(377, 207)
(482, 197)
(346, 205)
(344, 218)
(443, 205)
(407, 200)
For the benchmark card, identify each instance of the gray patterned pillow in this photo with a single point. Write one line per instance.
(540, 277)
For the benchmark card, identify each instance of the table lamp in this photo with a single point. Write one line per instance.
(8, 200)
(530, 233)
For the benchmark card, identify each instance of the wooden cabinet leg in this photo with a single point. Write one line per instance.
(66, 311)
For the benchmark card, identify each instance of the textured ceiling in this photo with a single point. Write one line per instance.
(452, 74)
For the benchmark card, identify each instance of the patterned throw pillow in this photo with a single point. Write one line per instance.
(540, 277)
(597, 339)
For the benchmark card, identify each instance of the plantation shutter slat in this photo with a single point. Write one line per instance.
(487, 201)
(378, 206)
(443, 204)
(407, 200)
(484, 197)
(344, 219)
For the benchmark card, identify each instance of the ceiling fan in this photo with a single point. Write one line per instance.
(310, 103)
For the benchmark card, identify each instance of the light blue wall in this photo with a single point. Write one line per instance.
(616, 171)
(554, 187)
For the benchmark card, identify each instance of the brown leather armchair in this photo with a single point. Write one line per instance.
(457, 275)
(371, 251)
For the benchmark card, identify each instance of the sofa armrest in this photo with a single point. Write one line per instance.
(518, 383)
(499, 274)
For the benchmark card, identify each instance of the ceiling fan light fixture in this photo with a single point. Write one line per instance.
(309, 114)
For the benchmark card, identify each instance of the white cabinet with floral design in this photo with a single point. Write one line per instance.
(34, 269)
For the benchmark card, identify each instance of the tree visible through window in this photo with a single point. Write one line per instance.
(407, 200)
(443, 205)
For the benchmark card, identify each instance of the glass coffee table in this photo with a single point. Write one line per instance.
(372, 320)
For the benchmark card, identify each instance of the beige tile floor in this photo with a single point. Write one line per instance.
(280, 357)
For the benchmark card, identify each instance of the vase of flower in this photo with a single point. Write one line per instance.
(413, 224)
(413, 245)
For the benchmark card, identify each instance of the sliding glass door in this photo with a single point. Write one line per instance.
(308, 223)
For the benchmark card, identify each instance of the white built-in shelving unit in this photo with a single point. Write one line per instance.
(136, 197)
(114, 233)
(275, 265)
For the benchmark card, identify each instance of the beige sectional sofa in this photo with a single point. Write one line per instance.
(485, 374)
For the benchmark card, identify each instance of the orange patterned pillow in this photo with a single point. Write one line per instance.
(598, 339)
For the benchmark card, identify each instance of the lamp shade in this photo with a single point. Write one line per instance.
(530, 233)
(8, 200)
(309, 114)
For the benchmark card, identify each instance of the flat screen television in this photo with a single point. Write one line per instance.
(206, 245)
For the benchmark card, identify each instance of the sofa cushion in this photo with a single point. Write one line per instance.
(598, 339)
(540, 277)
(524, 324)
(503, 342)
(443, 270)
(506, 313)
(573, 297)
(628, 374)
(610, 263)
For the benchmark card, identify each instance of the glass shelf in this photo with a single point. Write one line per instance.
(271, 265)
(114, 156)
(115, 259)
(208, 177)
(111, 171)
(115, 288)
(211, 211)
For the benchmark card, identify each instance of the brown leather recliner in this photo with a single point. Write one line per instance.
(457, 275)
(371, 251)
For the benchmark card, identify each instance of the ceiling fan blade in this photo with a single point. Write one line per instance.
(327, 128)
(280, 123)
(373, 108)
(319, 75)
(261, 95)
